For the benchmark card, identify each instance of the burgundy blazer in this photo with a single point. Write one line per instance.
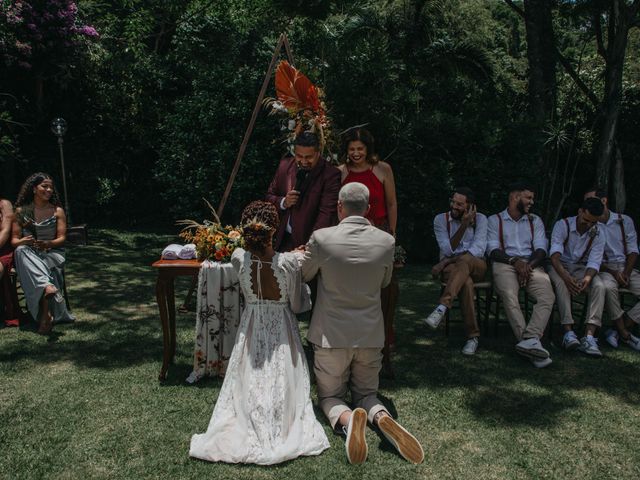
(318, 207)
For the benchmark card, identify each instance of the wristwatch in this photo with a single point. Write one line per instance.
(512, 260)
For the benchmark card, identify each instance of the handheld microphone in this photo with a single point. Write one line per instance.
(301, 176)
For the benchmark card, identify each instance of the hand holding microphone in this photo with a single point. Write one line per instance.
(293, 196)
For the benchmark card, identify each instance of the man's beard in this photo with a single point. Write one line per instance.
(521, 208)
(456, 215)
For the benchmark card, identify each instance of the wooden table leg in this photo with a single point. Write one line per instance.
(171, 305)
(161, 296)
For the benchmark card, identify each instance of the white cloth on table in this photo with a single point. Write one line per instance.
(219, 305)
(171, 252)
(187, 252)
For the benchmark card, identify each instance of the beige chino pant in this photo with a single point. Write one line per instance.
(612, 297)
(505, 281)
(596, 291)
(459, 277)
(337, 369)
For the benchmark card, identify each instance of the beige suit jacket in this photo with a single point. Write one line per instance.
(353, 261)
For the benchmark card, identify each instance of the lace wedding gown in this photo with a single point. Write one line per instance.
(263, 414)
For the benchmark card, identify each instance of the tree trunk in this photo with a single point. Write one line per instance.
(616, 48)
(542, 60)
(619, 192)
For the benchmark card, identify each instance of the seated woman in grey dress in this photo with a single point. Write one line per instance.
(38, 235)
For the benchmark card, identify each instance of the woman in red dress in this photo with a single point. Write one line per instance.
(361, 164)
(7, 294)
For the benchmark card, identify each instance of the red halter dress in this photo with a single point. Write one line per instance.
(378, 212)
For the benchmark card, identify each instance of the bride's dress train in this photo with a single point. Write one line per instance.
(264, 414)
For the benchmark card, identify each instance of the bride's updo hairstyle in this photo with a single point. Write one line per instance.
(259, 221)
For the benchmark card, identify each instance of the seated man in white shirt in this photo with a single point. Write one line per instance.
(617, 270)
(577, 245)
(462, 237)
(517, 246)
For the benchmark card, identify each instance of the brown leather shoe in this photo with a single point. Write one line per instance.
(356, 444)
(406, 444)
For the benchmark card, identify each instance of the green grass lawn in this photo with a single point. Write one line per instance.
(86, 402)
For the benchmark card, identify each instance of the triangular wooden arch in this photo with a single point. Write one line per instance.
(283, 41)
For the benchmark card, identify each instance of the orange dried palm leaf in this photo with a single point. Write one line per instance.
(294, 89)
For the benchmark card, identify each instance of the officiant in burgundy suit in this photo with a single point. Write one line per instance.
(305, 191)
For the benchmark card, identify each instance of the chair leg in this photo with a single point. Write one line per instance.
(497, 322)
(488, 299)
(447, 319)
(64, 290)
(478, 312)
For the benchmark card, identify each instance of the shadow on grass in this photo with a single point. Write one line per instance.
(111, 284)
(496, 380)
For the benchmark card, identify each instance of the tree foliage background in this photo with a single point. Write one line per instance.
(158, 94)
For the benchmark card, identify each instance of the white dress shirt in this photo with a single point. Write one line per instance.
(614, 249)
(473, 241)
(517, 237)
(572, 246)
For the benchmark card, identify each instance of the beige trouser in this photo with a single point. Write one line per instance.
(338, 368)
(505, 280)
(596, 291)
(613, 298)
(459, 277)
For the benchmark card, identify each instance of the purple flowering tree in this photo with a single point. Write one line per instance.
(42, 37)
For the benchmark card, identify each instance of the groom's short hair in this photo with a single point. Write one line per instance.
(307, 139)
(354, 197)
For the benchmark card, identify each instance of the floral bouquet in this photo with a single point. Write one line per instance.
(399, 257)
(213, 241)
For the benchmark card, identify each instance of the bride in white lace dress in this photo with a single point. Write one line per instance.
(264, 414)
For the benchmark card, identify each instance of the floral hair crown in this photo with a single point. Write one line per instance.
(302, 103)
(254, 225)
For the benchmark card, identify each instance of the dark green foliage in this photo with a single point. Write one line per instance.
(158, 105)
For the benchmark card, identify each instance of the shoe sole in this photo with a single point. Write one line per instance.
(406, 444)
(430, 325)
(532, 352)
(571, 347)
(356, 444)
(543, 366)
(469, 354)
(591, 354)
(632, 347)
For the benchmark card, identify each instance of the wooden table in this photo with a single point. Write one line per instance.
(168, 270)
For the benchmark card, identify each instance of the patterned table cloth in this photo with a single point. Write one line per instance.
(219, 306)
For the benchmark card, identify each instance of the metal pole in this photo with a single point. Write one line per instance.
(64, 180)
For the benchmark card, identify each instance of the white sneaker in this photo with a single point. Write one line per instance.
(611, 336)
(589, 346)
(532, 348)
(542, 362)
(470, 346)
(633, 342)
(435, 318)
(570, 340)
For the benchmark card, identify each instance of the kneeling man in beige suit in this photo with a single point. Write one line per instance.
(353, 261)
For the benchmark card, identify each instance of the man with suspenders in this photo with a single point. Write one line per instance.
(517, 246)
(617, 270)
(462, 237)
(577, 246)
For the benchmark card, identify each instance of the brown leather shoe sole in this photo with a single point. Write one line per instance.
(356, 444)
(406, 444)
